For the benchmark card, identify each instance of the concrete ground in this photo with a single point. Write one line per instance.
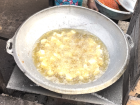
(123, 25)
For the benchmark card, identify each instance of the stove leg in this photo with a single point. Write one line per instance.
(2, 85)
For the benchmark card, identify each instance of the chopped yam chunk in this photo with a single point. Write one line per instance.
(40, 53)
(44, 64)
(99, 52)
(41, 58)
(92, 61)
(47, 45)
(61, 46)
(53, 39)
(98, 47)
(85, 66)
(54, 33)
(86, 75)
(68, 77)
(59, 35)
(50, 73)
(100, 61)
(43, 41)
(56, 55)
(53, 58)
(97, 71)
(61, 73)
(81, 78)
(65, 39)
(63, 33)
(78, 72)
(68, 54)
(73, 31)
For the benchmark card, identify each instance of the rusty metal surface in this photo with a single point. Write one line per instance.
(14, 12)
(112, 94)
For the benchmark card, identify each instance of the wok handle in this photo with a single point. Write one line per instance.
(9, 46)
(130, 40)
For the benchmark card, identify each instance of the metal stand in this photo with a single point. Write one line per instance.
(109, 96)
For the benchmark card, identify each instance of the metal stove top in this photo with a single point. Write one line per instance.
(109, 96)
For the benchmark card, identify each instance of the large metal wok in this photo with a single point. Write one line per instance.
(77, 18)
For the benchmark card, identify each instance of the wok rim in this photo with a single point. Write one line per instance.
(78, 90)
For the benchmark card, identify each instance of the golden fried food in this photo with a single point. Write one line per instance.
(70, 56)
